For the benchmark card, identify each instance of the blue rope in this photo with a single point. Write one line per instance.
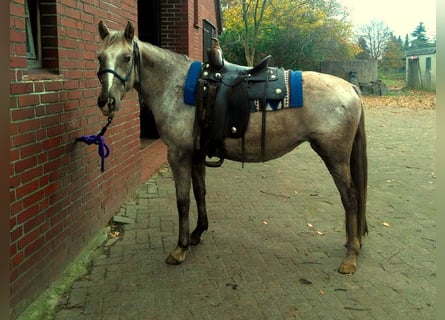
(99, 140)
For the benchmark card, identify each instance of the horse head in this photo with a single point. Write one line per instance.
(117, 59)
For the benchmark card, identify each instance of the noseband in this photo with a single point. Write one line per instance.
(117, 75)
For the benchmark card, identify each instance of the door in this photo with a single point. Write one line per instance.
(149, 30)
(414, 76)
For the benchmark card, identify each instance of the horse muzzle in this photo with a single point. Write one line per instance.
(107, 105)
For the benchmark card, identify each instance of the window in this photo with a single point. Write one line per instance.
(41, 35)
(209, 31)
(32, 24)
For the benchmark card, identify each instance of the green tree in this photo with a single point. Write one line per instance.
(364, 53)
(298, 33)
(406, 43)
(420, 38)
(392, 59)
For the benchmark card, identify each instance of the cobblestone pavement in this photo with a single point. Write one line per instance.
(275, 241)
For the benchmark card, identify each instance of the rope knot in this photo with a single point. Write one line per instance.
(102, 149)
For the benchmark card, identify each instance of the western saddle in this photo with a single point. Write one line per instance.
(226, 93)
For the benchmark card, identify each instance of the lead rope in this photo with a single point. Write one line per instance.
(99, 140)
(103, 149)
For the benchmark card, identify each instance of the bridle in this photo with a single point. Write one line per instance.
(115, 73)
(125, 79)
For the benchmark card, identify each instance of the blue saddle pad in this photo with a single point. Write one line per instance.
(295, 89)
(190, 83)
(295, 86)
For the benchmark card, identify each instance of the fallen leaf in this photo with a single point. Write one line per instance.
(322, 292)
(265, 222)
(309, 225)
(386, 224)
(320, 233)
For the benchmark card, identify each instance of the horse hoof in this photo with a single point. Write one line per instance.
(177, 256)
(171, 260)
(347, 267)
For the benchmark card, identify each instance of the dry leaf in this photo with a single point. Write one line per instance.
(386, 224)
(309, 225)
(402, 99)
(320, 233)
(265, 222)
(322, 292)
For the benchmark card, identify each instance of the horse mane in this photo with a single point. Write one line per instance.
(115, 36)
(167, 54)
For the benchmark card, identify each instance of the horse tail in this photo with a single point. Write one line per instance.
(359, 173)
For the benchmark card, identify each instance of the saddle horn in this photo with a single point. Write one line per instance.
(215, 56)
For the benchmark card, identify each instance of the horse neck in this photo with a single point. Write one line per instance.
(161, 71)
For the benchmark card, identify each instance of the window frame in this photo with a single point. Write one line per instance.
(33, 34)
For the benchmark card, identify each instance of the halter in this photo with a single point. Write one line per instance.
(117, 75)
(103, 149)
(124, 80)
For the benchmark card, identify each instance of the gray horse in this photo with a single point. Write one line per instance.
(331, 120)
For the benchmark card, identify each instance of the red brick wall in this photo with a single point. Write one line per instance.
(59, 198)
(181, 25)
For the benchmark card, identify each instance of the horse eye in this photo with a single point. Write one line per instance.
(127, 59)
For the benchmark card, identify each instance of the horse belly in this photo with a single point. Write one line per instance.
(284, 130)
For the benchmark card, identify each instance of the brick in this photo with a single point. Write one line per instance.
(28, 100)
(55, 131)
(53, 86)
(16, 234)
(34, 222)
(33, 247)
(49, 97)
(22, 113)
(24, 164)
(51, 143)
(50, 120)
(20, 88)
(31, 174)
(17, 259)
(34, 198)
(28, 238)
(29, 125)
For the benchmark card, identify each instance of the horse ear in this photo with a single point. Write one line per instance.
(103, 30)
(129, 31)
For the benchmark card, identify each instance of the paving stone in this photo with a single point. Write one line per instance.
(259, 259)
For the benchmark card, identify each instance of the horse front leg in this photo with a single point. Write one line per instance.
(181, 169)
(199, 191)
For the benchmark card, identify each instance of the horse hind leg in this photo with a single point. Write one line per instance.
(338, 166)
(199, 191)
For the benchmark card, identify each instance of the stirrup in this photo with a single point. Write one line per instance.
(214, 164)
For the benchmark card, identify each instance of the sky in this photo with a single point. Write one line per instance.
(401, 16)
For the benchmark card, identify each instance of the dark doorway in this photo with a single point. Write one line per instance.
(414, 76)
(149, 31)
